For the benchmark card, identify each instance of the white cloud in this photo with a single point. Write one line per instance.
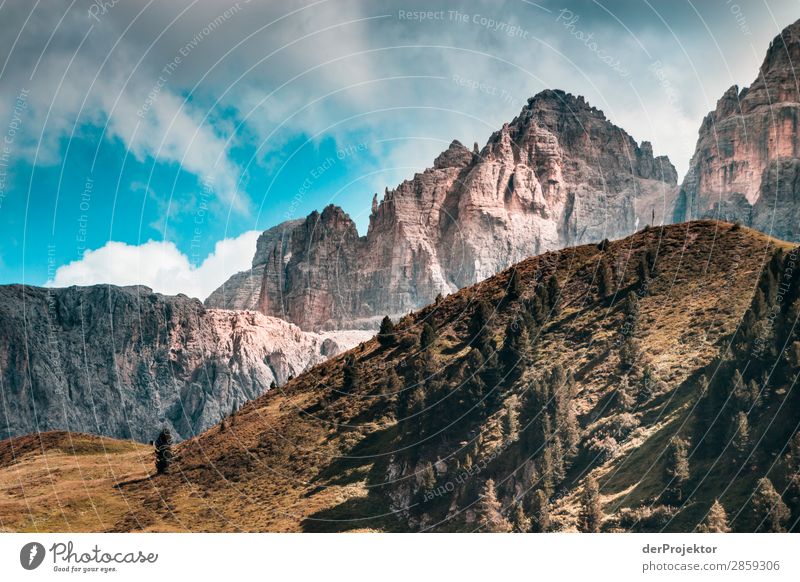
(160, 266)
(93, 73)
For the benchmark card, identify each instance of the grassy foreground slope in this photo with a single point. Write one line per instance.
(660, 367)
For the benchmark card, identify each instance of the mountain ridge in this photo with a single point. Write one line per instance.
(559, 173)
(122, 361)
(440, 429)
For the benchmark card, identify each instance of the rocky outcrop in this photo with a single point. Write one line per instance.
(242, 290)
(744, 166)
(124, 361)
(559, 174)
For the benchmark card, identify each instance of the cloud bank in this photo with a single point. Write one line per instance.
(160, 266)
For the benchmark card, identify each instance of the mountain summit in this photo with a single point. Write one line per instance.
(559, 174)
(746, 165)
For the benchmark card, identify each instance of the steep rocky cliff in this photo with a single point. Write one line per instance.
(744, 166)
(123, 361)
(559, 174)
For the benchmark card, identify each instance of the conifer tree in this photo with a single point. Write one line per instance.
(716, 521)
(515, 288)
(392, 386)
(562, 387)
(590, 518)
(540, 512)
(479, 326)
(643, 272)
(532, 417)
(403, 403)
(529, 323)
(392, 391)
(605, 279)
(650, 259)
(543, 296)
(676, 471)
(632, 312)
(545, 467)
(492, 377)
(740, 437)
(554, 293)
(630, 352)
(510, 421)
(475, 386)
(519, 521)
(351, 376)
(770, 513)
(163, 452)
(623, 396)
(488, 511)
(427, 336)
(558, 458)
(513, 353)
(386, 333)
(536, 309)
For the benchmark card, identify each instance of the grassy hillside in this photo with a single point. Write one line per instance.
(624, 386)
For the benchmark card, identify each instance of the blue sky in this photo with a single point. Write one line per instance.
(152, 141)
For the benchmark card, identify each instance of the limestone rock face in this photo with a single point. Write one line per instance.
(777, 209)
(559, 174)
(744, 147)
(124, 361)
(242, 290)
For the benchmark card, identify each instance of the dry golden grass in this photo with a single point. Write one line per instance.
(66, 482)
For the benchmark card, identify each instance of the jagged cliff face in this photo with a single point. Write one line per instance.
(243, 289)
(122, 362)
(559, 174)
(744, 164)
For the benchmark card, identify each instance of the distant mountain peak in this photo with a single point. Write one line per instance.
(559, 173)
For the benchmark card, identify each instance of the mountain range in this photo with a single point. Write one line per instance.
(557, 175)
(646, 384)
(122, 362)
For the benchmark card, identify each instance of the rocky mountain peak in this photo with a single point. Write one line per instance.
(742, 145)
(559, 173)
(455, 156)
(783, 53)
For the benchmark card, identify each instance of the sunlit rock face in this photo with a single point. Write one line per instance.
(558, 174)
(745, 164)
